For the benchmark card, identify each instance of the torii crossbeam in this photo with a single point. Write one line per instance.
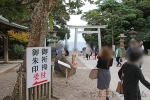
(90, 32)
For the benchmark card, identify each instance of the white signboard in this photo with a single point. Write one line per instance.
(38, 62)
(64, 64)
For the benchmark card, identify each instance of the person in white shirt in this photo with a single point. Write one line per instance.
(142, 48)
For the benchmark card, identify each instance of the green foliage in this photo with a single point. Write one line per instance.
(84, 48)
(119, 17)
(20, 12)
(111, 13)
(17, 51)
(51, 22)
(12, 10)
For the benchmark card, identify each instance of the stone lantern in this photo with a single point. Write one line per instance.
(52, 38)
(52, 43)
(133, 34)
(122, 36)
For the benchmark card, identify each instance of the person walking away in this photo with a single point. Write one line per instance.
(131, 46)
(142, 49)
(141, 45)
(88, 52)
(104, 77)
(131, 74)
(95, 51)
(118, 56)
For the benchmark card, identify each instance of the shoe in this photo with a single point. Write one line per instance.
(107, 98)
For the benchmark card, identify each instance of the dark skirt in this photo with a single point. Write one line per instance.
(104, 78)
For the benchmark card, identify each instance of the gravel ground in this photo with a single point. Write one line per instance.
(79, 86)
(7, 82)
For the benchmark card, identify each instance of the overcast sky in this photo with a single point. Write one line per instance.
(75, 20)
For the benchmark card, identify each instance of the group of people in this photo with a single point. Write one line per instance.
(61, 50)
(130, 73)
(91, 52)
(132, 45)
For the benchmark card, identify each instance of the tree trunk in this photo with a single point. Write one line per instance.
(39, 29)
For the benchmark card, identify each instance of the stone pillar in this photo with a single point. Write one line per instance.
(66, 41)
(75, 39)
(6, 49)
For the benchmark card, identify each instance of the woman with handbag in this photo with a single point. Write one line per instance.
(130, 74)
(104, 77)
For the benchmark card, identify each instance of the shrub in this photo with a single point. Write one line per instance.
(18, 51)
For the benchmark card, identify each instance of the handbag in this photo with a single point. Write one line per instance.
(93, 73)
(120, 87)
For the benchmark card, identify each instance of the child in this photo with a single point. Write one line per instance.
(75, 59)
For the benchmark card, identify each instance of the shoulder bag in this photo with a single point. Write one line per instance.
(120, 87)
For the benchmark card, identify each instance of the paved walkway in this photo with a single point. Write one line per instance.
(7, 82)
(7, 67)
(114, 75)
(79, 86)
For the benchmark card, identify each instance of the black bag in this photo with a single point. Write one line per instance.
(121, 60)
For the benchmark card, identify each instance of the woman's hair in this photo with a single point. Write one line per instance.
(135, 55)
(106, 54)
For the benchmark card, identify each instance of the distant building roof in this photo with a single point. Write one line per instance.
(6, 21)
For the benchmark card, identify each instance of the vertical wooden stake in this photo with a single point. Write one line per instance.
(50, 95)
(34, 95)
(66, 76)
(20, 85)
(38, 92)
(50, 84)
(6, 49)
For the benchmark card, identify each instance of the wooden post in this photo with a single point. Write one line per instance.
(20, 96)
(66, 76)
(38, 92)
(6, 49)
(51, 85)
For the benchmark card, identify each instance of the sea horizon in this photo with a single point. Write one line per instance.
(80, 45)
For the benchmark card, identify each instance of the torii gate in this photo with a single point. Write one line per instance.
(90, 32)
